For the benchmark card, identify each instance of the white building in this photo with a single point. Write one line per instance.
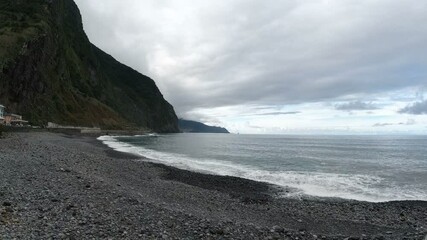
(1, 113)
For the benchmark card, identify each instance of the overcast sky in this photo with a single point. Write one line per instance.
(272, 66)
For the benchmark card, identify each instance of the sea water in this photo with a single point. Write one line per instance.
(367, 168)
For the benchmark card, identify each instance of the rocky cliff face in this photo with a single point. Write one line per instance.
(49, 71)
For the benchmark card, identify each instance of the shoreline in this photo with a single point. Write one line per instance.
(274, 190)
(63, 184)
(250, 190)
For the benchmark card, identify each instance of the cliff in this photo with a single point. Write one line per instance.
(49, 71)
(198, 127)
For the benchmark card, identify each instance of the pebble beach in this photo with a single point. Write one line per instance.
(62, 186)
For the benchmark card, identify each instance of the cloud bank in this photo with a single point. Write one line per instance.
(207, 54)
(417, 108)
(277, 64)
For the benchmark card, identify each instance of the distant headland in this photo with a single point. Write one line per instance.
(198, 127)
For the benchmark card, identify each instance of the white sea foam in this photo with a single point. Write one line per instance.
(357, 186)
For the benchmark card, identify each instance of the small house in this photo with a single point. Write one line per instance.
(14, 120)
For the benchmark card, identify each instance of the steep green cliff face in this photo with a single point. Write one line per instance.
(49, 71)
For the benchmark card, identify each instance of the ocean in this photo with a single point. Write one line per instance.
(365, 168)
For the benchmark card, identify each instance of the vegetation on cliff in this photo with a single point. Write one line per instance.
(49, 71)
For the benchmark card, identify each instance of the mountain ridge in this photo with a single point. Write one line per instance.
(50, 72)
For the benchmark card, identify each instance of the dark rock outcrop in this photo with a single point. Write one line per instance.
(49, 71)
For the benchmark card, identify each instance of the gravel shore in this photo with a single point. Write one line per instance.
(57, 186)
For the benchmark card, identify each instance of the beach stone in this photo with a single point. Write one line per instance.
(352, 238)
(218, 231)
(278, 229)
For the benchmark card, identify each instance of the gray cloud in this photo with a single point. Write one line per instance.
(206, 54)
(382, 124)
(410, 122)
(255, 127)
(277, 113)
(355, 106)
(417, 108)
